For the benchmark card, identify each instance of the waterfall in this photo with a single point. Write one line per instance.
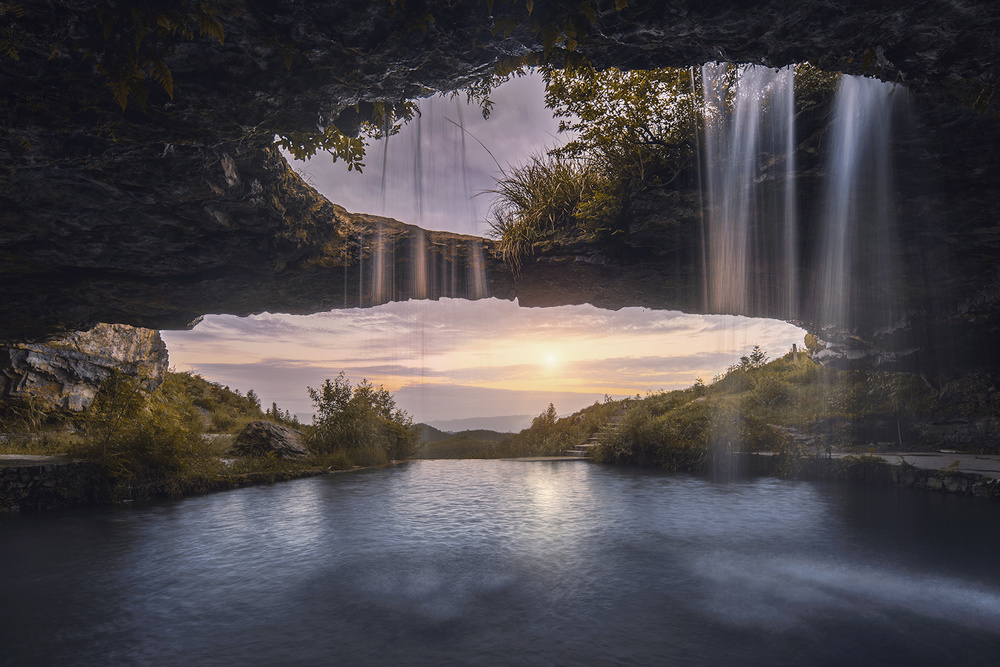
(380, 270)
(418, 265)
(749, 178)
(418, 168)
(476, 269)
(750, 227)
(856, 277)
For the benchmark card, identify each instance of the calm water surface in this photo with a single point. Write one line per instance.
(496, 562)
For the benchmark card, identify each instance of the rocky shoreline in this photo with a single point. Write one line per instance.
(873, 470)
(31, 483)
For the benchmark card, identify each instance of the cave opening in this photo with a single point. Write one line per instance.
(143, 185)
(463, 356)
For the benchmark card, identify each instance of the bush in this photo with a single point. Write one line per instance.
(135, 439)
(637, 440)
(675, 440)
(358, 419)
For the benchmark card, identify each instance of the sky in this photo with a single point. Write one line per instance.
(453, 166)
(455, 359)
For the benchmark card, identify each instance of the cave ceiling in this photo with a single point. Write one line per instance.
(179, 204)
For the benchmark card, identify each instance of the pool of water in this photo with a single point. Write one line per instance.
(498, 562)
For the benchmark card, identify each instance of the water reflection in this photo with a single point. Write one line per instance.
(498, 562)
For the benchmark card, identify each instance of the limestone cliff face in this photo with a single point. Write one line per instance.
(65, 373)
(155, 216)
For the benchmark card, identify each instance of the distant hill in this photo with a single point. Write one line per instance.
(463, 446)
(484, 434)
(504, 424)
(429, 434)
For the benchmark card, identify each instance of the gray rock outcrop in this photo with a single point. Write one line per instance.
(65, 373)
(263, 438)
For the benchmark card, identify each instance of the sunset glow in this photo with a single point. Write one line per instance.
(452, 358)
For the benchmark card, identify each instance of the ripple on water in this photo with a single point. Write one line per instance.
(500, 562)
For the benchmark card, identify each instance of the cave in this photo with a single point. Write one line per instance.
(143, 183)
(125, 200)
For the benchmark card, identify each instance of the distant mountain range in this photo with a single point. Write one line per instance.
(429, 435)
(506, 424)
(437, 444)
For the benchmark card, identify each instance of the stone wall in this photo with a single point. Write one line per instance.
(871, 471)
(45, 484)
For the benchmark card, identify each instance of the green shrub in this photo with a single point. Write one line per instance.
(678, 439)
(637, 440)
(359, 418)
(136, 440)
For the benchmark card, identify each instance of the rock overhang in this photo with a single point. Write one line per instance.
(155, 217)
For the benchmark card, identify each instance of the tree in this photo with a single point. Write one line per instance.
(547, 418)
(757, 358)
(625, 121)
(633, 129)
(364, 416)
(253, 398)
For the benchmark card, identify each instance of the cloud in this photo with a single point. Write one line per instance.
(436, 175)
(443, 402)
(578, 352)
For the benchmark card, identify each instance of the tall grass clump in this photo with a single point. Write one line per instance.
(536, 200)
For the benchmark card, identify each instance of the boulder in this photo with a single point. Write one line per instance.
(64, 374)
(262, 438)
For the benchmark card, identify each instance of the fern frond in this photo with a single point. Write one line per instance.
(120, 90)
(209, 25)
(163, 76)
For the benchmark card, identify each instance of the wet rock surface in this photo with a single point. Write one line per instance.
(263, 438)
(156, 216)
(65, 374)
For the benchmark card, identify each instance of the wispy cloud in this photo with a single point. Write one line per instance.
(424, 347)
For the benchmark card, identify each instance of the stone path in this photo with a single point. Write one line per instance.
(987, 465)
(583, 451)
(18, 460)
